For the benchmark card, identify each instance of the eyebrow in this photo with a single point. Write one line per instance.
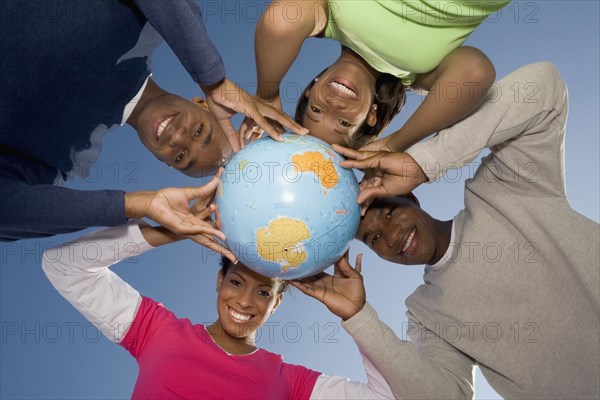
(245, 280)
(366, 234)
(311, 118)
(265, 285)
(341, 132)
(336, 130)
(209, 136)
(189, 165)
(239, 276)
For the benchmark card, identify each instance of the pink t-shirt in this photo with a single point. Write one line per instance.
(180, 360)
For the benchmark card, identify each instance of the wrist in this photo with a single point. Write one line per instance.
(137, 203)
(159, 235)
(209, 89)
(355, 311)
(395, 143)
(419, 174)
(268, 93)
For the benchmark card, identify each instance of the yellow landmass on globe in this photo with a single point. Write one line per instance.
(281, 242)
(313, 161)
(243, 164)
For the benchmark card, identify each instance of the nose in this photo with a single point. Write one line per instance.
(335, 101)
(244, 300)
(178, 137)
(392, 239)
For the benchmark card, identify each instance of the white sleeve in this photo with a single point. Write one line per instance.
(339, 387)
(79, 271)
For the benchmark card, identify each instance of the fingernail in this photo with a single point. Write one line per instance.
(236, 261)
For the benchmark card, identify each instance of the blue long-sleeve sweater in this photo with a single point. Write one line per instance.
(66, 73)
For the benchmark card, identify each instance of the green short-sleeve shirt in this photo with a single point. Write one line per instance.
(406, 38)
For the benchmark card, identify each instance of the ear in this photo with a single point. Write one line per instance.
(413, 198)
(372, 116)
(200, 101)
(219, 280)
(277, 302)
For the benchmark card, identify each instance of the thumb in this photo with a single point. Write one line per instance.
(244, 129)
(364, 206)
(365, 162)
(368, 195)
(193, 192)
(230, 133)
(304, 287)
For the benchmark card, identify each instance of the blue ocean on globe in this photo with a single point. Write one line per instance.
(288, 208)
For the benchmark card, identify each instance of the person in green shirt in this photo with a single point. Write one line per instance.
(386, 45)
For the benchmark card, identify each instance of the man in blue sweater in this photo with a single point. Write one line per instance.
(69, 74)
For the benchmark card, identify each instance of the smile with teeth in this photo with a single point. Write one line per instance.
(239, 317)
(409, 240)
(342, 88)
(162, 126)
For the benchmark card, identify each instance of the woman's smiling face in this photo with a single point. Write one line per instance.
(340, 101)
(245, 301)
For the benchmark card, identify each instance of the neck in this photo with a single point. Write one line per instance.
(151, 91)
(444, 232)
(231, 344)
(348, 54)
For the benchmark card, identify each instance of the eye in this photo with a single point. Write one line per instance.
(315, 110)
(207, 138)
(345, 123)
(180, 156)
(198, 131)
(375, 239)
(235, 283)
(264, 293)
(389, 215)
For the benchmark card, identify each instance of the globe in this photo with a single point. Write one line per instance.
(288, 208)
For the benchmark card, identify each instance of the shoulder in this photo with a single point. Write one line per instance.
(150, 317)
(309, 17)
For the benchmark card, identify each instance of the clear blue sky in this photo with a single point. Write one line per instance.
(47, 350)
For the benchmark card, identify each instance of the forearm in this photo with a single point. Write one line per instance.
(409, 373)
(277, 44)
(180, 23)
(29, 211)
(158, 235)
(455, 89)
(436, 112)
(79, 270)
(524, 101)
(137, 204)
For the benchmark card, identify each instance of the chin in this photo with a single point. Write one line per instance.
(405, 260)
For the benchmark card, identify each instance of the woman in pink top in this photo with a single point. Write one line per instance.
(178, 359)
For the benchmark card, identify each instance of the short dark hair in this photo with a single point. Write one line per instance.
(390, 96)
(226, 264)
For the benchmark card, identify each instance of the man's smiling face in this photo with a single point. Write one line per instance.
(398, 230)
(183, 134)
